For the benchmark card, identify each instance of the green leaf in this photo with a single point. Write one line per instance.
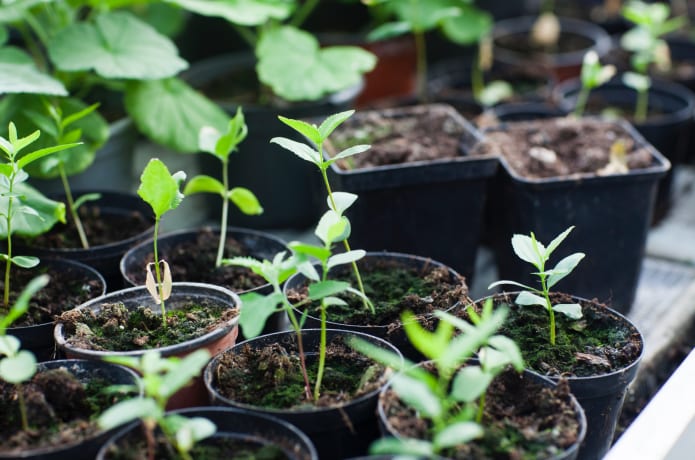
(424, 16)
(564, 268)
(116, 45)
(332, 227)
(190, 366)
(26, 78)
(389, 30)
(332, 122)
(469, 27)
(25, 261)
(18, 368)
(291, 62)
(343, 200)
(405, 446)
(241, 12)
(127, 411)
(46, 212)
(528, 298)
(87, 197)
(326, 288)
(303, 151)
(38, 154)
(378, 354)
(457, 434)
(571, 310)
(430, 344)
(159, 188)
(524, 250)
(495, 92)
(307, 130)
(204, 184)
(557, 241)
(172, 113)
(255, 311)
(636, 81)
(417, 395)
(509, 348)
(350, 151)
(346, 257)
(470, 383)
(512, 283)
(246, 201)
(15, 11)
(9, 344)
(192, 430)
(318, 252)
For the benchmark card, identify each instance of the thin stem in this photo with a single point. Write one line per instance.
(322, 353)
(8, 261)
(303, 12)
(641, 105)
(22, 407)
(549, 306)
(421, 69)
(300, 342)
(247, 35)
(225, 211)
(71, 207)
(477, 81)
(582, 98)
(158, 273)
(481, 409)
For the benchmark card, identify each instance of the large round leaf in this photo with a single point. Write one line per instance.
(18, 74)
(116, 45)
(18, 368)
(293, 64)
(172, 113)
(242, 12)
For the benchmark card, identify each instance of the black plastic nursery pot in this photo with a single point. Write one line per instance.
(38, 338)
(183, 294)
(336, 431)
(84, 371)
(390, 408)
(430, 208)
(602, 393)
(250, 429)
(288, 188)
(611, 213)
(116, 209)
(512, 45)
(667, 125)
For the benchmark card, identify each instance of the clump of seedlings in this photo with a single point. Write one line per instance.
(593, 75)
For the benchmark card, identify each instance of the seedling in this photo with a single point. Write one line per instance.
(318, 136)
(221, 146)
(647, 47)
(18, 365)
(160, 189)
(530, 250)
(161, 379)
(593, 75)
(24, 210)
(453, 397)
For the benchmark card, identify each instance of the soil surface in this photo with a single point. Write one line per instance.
(522, 420)
(60, 410)
(67, 288)
(101, 229)
(270, 376)
(418, 133)
(565, 146)
(194, 261)
(117, 328)
(393, 287)
(592, 345)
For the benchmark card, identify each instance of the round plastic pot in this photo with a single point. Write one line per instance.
(84, 371)
(393, 332)
(38, 338)
(182, 294)
(561, 66)
(667, 130)
(337, 431)
(571, 453)
(233, 424)
(288, 188)
(428, 208)
(611, 213)
(104, 258)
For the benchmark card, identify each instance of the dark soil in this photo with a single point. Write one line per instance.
(393, 287)
(60, 409)
(67, 288)
(271, 377)
(194, 261)
(117, 328)
(419, 133)
(593, 345)
(101, 229)
(565, 146)
(522, 420)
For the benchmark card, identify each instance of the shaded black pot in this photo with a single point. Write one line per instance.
(601, 396)
(232, 424)
(39, 338)
(288, 188)
(428, 208)
(612, 215)
(104, 258)
(671, 112)
(511, 45)
(84, 371)
(571, 453)
(337, 432)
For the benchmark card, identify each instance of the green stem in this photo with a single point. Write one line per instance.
(22, 407)
(549, 306)
(481, 409)
(158, 273)
(8, 261)
(247, 35)
(303, 12)
(582, 98)
(300, 341)
(477, 81)
(225, 211)
(71, 207)
(641, 105)
(421, 69)
(322, 352)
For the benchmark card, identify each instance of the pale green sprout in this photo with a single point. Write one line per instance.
(530, 250)
(453, 397)
(161, 379)
(593, 75)
(18, 365)
(160, 189)
(221, 145)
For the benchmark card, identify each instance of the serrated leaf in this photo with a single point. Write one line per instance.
(457, 434)
(116, 45)
(159, 188)
(303, 151)
(307, 130)
(564, 268)
(346, 257)
(528, 298)
(246, 201)
(18, 368)
(571, 310)
(255, 311)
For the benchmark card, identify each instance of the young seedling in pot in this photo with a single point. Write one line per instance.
(221, 145)
(18, 365)
(160, 189)
(318, 136)
(593, 75)
(647, 46)
(23, 209)
(530, 250)
(452, 397)
(161, 379)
